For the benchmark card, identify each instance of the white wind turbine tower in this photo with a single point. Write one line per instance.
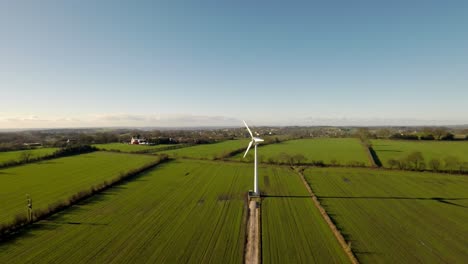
(255, 141)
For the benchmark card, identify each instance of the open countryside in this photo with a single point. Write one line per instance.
(233, 132)
(367, 205)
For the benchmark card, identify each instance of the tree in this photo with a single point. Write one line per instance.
(448, 136)
(393, 163)
(415, 158)
(284, 157)
(439, 132)
(334, 162)
(25, 156)
(383, 133)
(427, 137)
(434, 164)
(299, 158)
(451, 163)
(364, 134)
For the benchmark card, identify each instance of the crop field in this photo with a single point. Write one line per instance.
(397, 149)
(342, 151)
(179, 212)
(209, 151)
(293, 231)
(55, 180)
(122, 147)
(8, 156)
(396, 216)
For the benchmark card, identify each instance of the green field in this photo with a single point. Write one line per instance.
(397, 149)
(179, 212)
(395, 216)
(208, 151)
(343, 150)
(123, 147)
(293, 231)
(9, 156)
(56, 180)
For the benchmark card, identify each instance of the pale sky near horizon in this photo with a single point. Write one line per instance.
(202, 63)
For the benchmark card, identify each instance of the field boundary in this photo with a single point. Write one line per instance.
(374, 162)
(335, 231)
(21, 221)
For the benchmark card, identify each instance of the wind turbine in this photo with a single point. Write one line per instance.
(255, 141)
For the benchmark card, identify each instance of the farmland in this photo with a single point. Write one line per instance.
(9, 156)
(398, 149)
(209, 151)
(293, 231)
(179, 212)
(123, 147)
(396, 216)
(342, 151)
(55, 180)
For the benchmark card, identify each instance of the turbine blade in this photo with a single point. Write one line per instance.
(250, 132)
(258, 139)
(250, 144)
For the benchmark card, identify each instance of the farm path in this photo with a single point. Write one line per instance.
(252, 250)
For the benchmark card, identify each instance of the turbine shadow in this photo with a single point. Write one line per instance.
(286, 196)
(437, 199)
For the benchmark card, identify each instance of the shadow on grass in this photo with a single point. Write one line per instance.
(437, 199)
(389, 150)
(286, 196)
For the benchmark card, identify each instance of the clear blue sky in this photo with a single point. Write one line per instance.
(171, 63)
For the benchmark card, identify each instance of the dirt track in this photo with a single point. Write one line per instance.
(253, 233)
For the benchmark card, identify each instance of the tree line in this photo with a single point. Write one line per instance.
(415, 161)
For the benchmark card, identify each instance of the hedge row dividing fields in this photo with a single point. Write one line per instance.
(52, 181)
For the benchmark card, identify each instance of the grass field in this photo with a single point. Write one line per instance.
(343, 150)
(208, 151)
(55, 180)
(395, 216)
(8, 156)
(397, 149)
(293, 231)
(122, 147)
(179, 212)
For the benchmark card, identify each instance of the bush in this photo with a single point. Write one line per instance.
(434, 164)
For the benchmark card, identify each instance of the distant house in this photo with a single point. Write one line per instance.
(35, 144)
(71, 140)
(138, 141)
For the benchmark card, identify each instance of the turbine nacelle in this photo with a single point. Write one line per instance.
(255, 140)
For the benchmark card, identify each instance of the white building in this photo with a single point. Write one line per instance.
(138, 141)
